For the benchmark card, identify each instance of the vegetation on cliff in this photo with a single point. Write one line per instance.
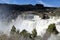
(24, 35)
(52, 29)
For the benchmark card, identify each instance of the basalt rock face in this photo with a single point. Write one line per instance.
(13, 10)
(28, 7)
(45, 16)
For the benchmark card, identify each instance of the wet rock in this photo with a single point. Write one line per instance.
(45, 16)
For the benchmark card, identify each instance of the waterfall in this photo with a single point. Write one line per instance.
(29, 22)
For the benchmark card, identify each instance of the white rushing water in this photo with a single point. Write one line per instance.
(40, 24)
(30, 23)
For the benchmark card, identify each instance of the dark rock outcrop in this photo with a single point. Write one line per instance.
(45, 16)
(11, 11)
(28, 7)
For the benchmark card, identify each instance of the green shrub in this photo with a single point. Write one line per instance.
(24, 32)
(13, 30)
(52, 29)
(34, 33)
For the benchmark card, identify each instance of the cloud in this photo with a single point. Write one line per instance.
(45, 4)
(5, 1)
(16, 2)
(9, 1)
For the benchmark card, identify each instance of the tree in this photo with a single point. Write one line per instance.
(52, 29)
(17, 31)
(34, 33)
(13, 30)
(23, 33)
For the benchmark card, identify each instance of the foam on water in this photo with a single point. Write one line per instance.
(40, 24)
(29, 24)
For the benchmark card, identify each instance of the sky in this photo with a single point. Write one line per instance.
(49, 3)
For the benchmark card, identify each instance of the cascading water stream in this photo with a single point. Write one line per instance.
(25, 22)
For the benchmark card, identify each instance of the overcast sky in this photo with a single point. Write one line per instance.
(54, 3)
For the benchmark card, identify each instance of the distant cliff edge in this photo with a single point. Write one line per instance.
(29, 7)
